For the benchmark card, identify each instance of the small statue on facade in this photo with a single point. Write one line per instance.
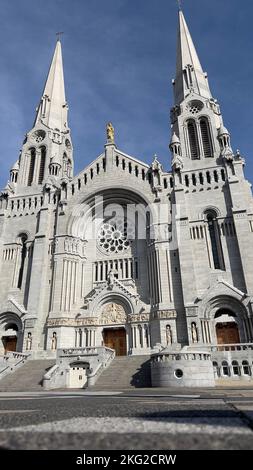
(168, 335)
(194, 333)
(110, 278)
(156, 165)
(54, 341)
(110, 132)
(29, 341)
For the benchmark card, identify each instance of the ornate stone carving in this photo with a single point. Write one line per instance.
(164, 314)
(53, 322)
(86, 321)
(74, 246)
(68, 144)
(29, 323)
(191, 311)
(228, 154)
(113, 313)
(60, 322)
(177, 163)
(139, 317)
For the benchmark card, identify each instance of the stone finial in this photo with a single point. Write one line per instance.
(156, 165)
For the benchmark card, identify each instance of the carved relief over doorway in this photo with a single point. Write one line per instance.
(113, 313)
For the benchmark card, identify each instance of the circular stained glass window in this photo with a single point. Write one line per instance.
(114, 236)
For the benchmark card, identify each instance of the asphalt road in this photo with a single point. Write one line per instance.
(140, 419)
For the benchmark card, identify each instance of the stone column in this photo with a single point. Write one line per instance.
(38, 281)
(134, 336)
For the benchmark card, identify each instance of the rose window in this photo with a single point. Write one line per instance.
(113, 236)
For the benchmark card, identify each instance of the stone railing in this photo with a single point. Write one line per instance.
(88, 351)
(97, 359)
(165, 356)
(49, 376)
(15, 356)
(233, 361)
(11, 362)
(4, 371)
(108, 356)
(232, 347)
(227, 361)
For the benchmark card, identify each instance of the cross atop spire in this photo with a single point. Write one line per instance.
(189, 73)
(59, 34)
(179, 5)
(52, 110)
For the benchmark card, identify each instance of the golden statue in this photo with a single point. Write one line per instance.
(110, 131)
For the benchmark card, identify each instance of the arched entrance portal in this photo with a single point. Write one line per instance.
(9, 343)
(10, 333)
(227, 331)
(113, 317)
(9, 338)
(115, 338)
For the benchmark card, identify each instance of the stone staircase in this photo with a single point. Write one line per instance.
(125, 372)
(26, 378)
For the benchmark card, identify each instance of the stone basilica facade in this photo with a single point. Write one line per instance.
(124, 254)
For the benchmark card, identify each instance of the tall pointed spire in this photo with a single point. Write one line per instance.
(189, 72)
(52, 110)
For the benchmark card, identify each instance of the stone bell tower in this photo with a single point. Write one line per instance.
(47, 153)
(197, 127)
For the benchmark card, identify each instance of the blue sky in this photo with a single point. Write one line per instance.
(119, 60)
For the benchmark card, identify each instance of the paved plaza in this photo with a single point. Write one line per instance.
(128, 420)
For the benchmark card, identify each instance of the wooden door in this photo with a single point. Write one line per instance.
(227, 333)
(116, 339)
(10, 343)
(78, 377)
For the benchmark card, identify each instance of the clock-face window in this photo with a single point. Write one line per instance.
(195, 106)
(39, 136)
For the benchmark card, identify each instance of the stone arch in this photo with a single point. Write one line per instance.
(23, 233)
(206, 135)
(114, 326)
(193, 140)
(225, 309)
(92, 206)
(11, 332)
(117, 299)
(211, 210)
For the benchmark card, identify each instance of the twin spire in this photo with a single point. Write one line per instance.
(190, 77)
(189, 73)
(53, 109)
